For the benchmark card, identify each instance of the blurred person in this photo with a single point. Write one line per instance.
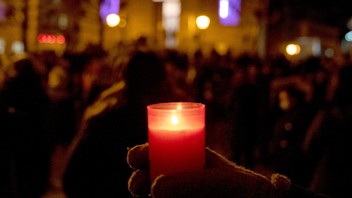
(62, 122)
(213, 88)
(88, 77)
(281, 67)
(291, 117)
(26, 141)
(176, 67)
(265, 77)
(91, 78)
(245, 111)
(328, 141)
(58, 80)
(116, 120)
(62, 110)
(219, 178)
(313, 72)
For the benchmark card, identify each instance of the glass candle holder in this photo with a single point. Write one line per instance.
(176, 133)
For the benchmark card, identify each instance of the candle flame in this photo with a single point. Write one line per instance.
(174, 120)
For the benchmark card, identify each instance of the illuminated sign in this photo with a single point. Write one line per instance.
(229, 12)
(51, 39)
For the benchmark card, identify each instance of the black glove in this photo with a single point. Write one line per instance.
(220, 178)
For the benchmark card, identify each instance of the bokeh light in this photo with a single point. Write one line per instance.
(109, 7)
(229, 12)
(348, 36)
(293, 49)
(202, 22)
(112, 20)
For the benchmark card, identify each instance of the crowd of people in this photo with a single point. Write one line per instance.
(268, 115)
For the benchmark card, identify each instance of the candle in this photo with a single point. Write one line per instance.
(176, 137)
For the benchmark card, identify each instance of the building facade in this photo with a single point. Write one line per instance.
(73, 25)
(79, 22)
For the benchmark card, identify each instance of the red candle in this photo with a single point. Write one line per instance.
(176, 137)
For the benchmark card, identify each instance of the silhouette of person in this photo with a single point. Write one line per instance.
(24, 137)
(328, 141)
(115, 121)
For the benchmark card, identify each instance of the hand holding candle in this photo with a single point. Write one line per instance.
(219, 178)
(176, 150)
(176, 137)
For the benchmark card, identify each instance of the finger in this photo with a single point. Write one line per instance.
(138, 157)
(215, 160)
(139, 183)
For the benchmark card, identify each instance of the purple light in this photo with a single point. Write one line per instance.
(109, 7)
(229, 12)
(2, 11)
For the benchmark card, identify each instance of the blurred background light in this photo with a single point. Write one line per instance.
(229, 12)
(51, 39)
(293, 49)
(329, 53)
(109, 7)
(112, 20)
(223, 8)
(348, 36)
(17, 47)
(202, 22)
(60, 39)
(63, 21)
(171, 11)
(309, 46)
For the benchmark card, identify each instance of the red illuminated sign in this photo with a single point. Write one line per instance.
(51, 39)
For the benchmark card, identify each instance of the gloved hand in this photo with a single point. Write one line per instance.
(220, 178)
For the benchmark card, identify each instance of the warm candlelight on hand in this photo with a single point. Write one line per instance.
(176, 137)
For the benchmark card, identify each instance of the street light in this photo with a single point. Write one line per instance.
(112, 20)
(202, 22)
(293, 49)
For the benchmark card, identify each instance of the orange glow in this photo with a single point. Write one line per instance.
(284, 102)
